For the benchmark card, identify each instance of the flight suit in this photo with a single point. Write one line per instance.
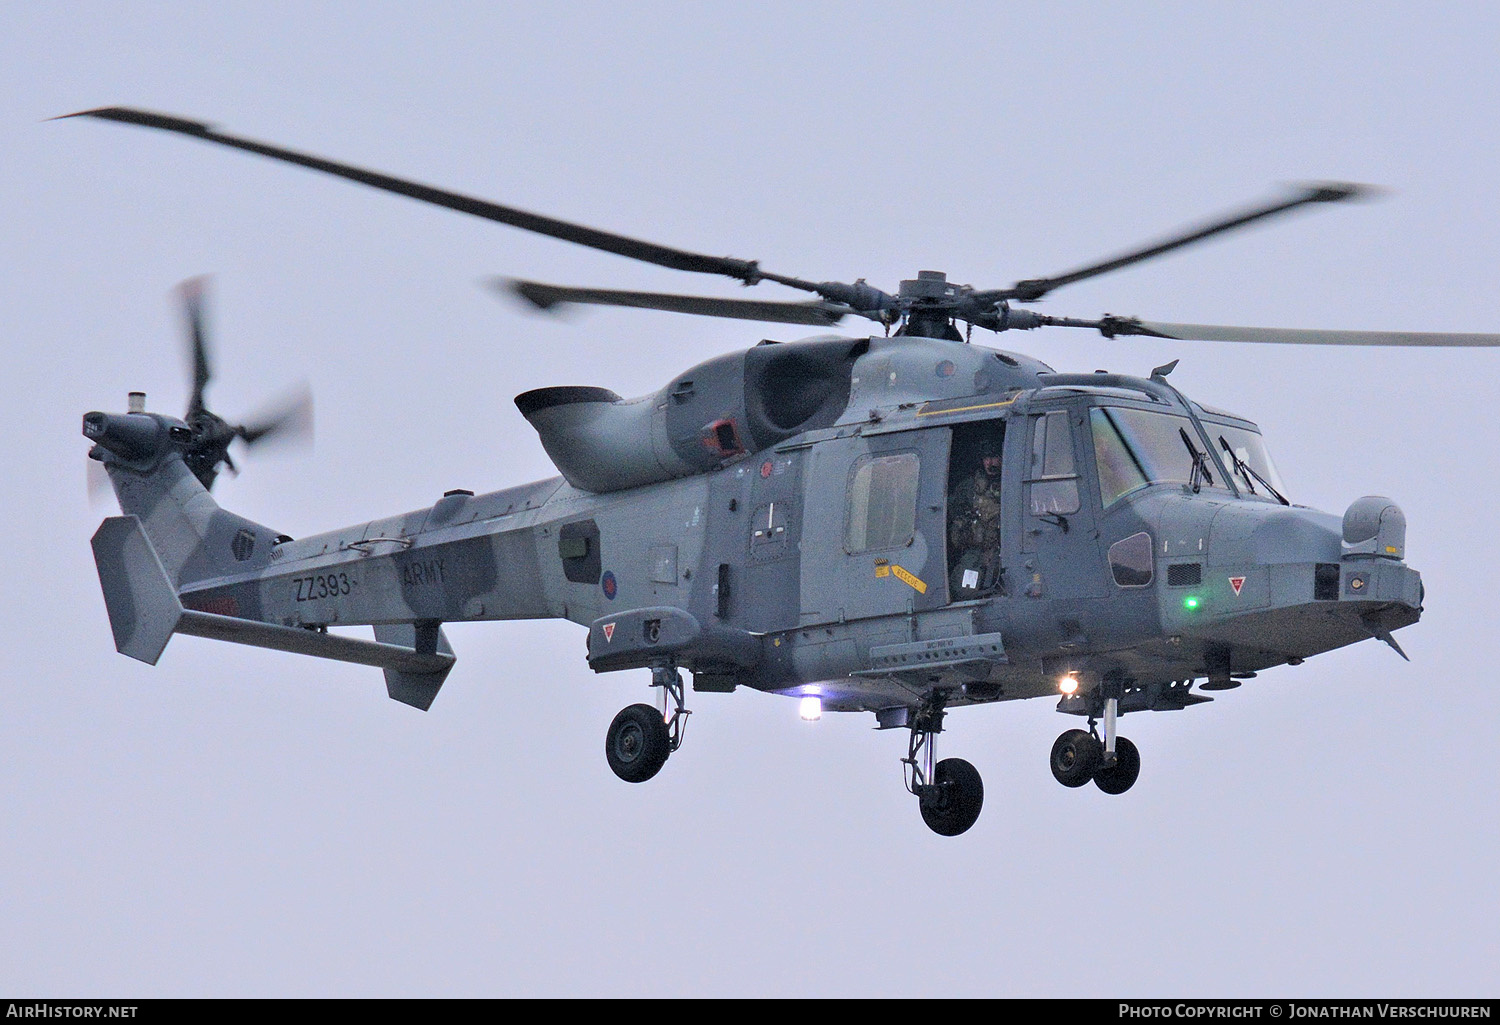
(974, 535)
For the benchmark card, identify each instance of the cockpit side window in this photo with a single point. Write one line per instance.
(1130, 560)
(1053, 478)
(1120, 472)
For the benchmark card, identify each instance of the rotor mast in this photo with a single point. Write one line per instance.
(928, 302)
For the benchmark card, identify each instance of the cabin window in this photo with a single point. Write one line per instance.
(1054, 481)
(882, 507)
(578, 548)
(1130, 560)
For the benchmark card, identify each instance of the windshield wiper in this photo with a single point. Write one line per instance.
(1247, 471)
(1239, 465)
(1200, 463)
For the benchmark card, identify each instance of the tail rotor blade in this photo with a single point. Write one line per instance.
(287, 421)
(96, 479)
(193, 292)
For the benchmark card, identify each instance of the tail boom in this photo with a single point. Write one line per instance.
(145, 611)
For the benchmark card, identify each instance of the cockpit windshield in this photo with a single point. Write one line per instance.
(1250, 463)
(1136, 447)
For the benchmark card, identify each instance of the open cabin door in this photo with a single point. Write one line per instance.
(873, 539)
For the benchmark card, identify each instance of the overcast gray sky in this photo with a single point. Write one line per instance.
(240, 822)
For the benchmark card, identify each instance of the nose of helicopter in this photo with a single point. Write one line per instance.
(1284, 582)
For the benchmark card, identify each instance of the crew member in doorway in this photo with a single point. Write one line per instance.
(974, 529)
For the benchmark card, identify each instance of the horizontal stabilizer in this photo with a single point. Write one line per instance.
(145, 611)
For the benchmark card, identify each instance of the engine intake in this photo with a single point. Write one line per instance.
(715, 413)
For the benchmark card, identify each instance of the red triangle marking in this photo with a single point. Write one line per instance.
(609, 630)
(1236, 583)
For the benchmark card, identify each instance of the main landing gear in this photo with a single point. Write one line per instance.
(642, 736)
(1113, 763)
(950, 793)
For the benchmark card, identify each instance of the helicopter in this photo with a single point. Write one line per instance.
(902, 523)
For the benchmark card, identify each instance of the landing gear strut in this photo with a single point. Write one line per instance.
(1113, 763)
(949, 794)
(641, 737)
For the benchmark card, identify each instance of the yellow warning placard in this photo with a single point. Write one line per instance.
(907, 578)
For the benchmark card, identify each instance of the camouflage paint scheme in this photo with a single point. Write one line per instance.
(705, 528)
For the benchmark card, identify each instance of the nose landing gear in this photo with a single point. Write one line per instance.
(1075, 756)
(1079, 756)
(1119, 777)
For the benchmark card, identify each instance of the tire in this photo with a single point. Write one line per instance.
(1075, 756)
(962, 798)
(1119, 777)
(637, 744)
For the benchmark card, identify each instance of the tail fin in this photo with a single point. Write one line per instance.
(193, 538)
(173, 533)
(142, 603)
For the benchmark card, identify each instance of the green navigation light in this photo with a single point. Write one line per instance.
(1190, 603)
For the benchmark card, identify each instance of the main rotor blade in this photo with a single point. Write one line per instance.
(192, 293)
(1299, 336)
(550, 297)
(1321, 192)
(742, 270)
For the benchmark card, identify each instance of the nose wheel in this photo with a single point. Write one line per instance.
(1078, 756)
(1119, 777)
(1113, 763)
(1075, 756)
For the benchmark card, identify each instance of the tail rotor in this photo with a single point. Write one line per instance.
(288, 420)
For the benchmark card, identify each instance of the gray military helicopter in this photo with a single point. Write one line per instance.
(900, 524)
